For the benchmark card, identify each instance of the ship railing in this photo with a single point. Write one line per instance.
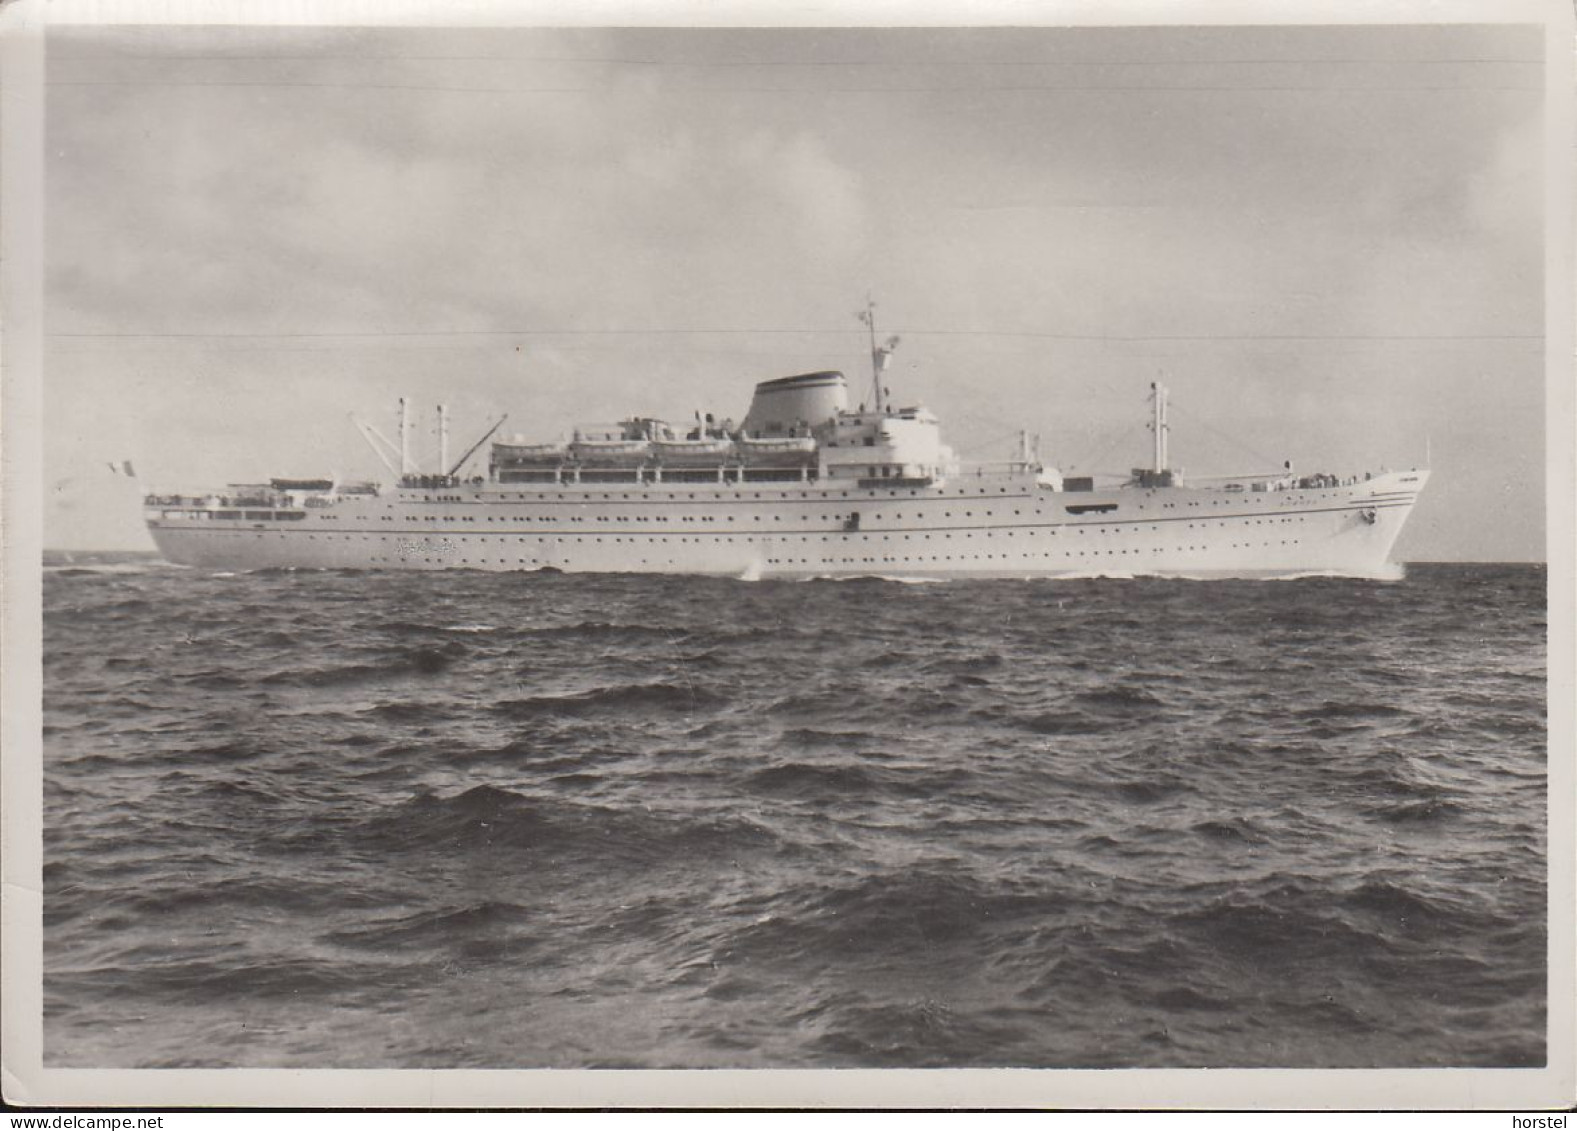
(1326, 479)
(211, 501)
(1283, 480)
(431, 481)
(571, 474)
(1243, 477)
(982, 468)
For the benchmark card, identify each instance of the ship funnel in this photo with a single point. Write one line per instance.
(793, 405)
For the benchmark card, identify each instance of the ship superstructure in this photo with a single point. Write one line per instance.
(805, 485)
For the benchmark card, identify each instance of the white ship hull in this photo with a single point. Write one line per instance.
(1006, 525)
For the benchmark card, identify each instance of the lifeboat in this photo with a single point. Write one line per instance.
(531, 453)
(694, 453)
(768, 451)
(611, 453)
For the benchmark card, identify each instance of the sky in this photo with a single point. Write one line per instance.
(1327, 241)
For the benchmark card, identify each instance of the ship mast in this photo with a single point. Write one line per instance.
(443, 436)
(1158, 424)
(879, 354)
(405, 437)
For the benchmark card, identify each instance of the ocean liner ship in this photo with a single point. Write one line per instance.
(804, 486)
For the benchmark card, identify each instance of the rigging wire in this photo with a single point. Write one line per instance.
(669, 332)
(182, 56)
(985, 445)
(1126, 434)
(1008, 430)
(1196, 421)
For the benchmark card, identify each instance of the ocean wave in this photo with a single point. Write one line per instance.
(408, 662)
(871, 579)
(1234, 831)
(488, 818)
(397, 629)
(796, 779)
(178, 896)
(1119, 699)
(917, 1033)
(1332, 709)
(923, 909)
(836, 739)
(1414, 812)
(604, 630)
(442, 928)
(201, 982)
(637, 699)
(113, 569)
(1064, 722)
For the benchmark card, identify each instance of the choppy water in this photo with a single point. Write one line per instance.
(348, 820)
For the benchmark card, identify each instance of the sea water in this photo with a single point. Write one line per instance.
(536, 820)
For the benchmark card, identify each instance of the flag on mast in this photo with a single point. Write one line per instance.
(883, 356)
